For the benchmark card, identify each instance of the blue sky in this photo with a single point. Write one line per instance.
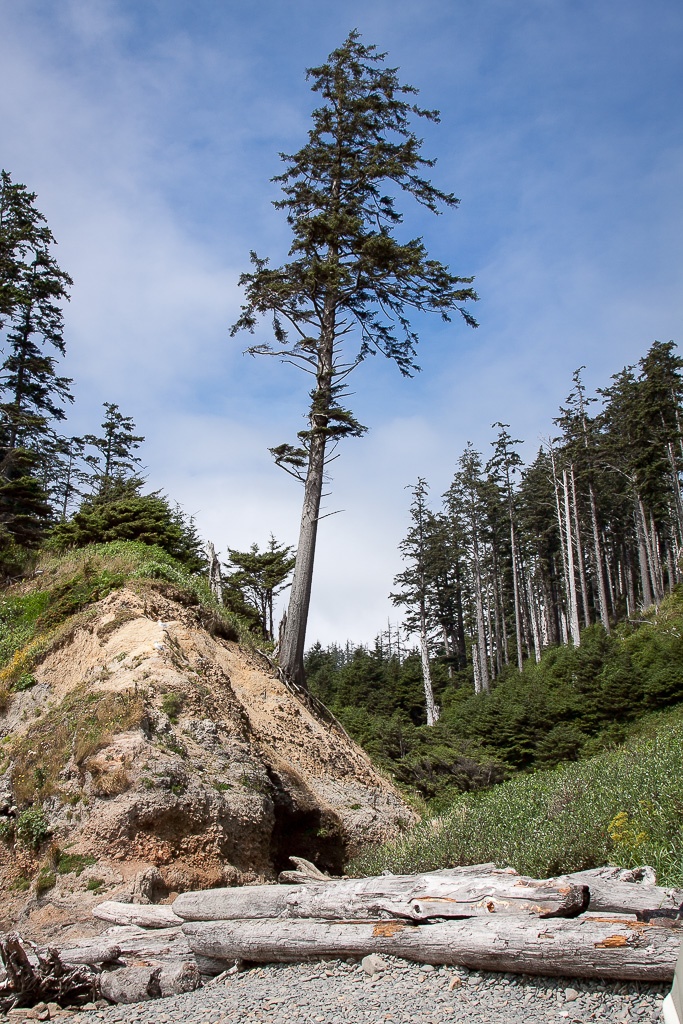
(150, 131)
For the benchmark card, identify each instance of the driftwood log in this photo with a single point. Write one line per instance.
(610, 894)
(584, 947)
(167, 946)
(142, 915)
(413, 897)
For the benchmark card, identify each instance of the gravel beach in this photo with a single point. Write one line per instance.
(398, 993)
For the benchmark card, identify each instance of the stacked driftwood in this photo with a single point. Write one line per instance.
(590, 925)
(606, 923)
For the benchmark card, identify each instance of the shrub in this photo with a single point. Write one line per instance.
(32, 828)
(624, 805)
(75, 862)
(46, 879)
(172, 705)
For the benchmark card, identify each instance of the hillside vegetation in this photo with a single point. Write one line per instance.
(574, 703)
(623, 806)
(61, 591)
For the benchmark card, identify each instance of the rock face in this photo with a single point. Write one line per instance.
(172, 759)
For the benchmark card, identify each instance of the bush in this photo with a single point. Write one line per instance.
(32, 828)
(46, 879)
(172, 705)
(623, 806)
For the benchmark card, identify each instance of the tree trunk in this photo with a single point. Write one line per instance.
(571, 579)
(484, 683)
(597, 553)
(152, 916)
(579, 553)
(215, 582)
(643, 562)
(432, 709)
(586, 947)
(534, 621)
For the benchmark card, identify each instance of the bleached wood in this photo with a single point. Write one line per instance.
(610, 895)
(415, 897)
(145, 916)
(94, 952)
(584, 948)
(143, 943)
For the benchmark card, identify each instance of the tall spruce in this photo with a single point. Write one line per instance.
(113, 462)
(32, 394)
(351, 286)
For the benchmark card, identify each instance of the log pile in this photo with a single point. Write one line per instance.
(608, 923)
(587, 925)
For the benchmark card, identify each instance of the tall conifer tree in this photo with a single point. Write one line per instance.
(351, 285)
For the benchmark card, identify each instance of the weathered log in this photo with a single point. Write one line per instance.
(143, 915)
(415, 897)
(131, 984)
(140, 983)
(143, 944)
(608, 894)
(308, 868)
(97, 952)
(595, 947)
(167, 945)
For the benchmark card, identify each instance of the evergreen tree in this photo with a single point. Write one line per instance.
(128, 515)
(32, 394)
(260, 576)
(113, 461)
(349, 277)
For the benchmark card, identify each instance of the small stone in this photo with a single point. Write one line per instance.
(373, 964)
(427, 968)
(570, 994)
(455, 982)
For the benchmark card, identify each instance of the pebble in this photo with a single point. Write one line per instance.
(399, 993)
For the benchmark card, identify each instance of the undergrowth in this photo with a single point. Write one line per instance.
(623, 806)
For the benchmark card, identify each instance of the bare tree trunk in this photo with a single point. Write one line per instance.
(516, 591)
(571, 581)
(534, 622)
(215, 581)
(579, 553)
(432, 709)
(643, 560)
(597, 552)
(476, 670)
(656, 561)
(291, 655)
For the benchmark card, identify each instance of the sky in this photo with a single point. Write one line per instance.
(150, 131)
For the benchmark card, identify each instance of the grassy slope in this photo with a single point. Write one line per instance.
(36, 614)
(623, 806)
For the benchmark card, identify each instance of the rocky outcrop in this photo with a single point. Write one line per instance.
(164, 758)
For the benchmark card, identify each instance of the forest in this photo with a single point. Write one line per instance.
(543, 606)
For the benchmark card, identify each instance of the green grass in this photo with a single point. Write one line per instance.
(75, 862)
(623, 806)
